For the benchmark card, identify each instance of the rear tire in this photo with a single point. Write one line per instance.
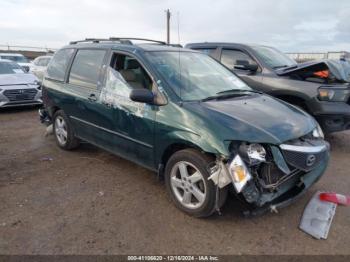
(63, 131)
(186, 180)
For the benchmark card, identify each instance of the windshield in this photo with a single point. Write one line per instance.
(273, 57)
(10, 68)
(17, 59)
(194, 76)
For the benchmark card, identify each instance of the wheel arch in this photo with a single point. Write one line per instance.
(178, 146)
(294, 100)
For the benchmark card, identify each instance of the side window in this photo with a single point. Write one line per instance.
(46, 61)
(230, 58)
(86, 68)
(124, 74)
(57, 68)
(43, 61)
(36, 61)
(207, 51)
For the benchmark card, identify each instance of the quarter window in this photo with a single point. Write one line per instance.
(57, 68)
(230, 58)
(86, 68)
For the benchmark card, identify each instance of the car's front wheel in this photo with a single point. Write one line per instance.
(186, 179)
(63, 131)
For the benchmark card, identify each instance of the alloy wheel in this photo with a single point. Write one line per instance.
(188, 185)
(61, 130)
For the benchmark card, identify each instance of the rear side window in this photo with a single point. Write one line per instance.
(86, 68)
(57, 68)
(207, 51)
(230, 58)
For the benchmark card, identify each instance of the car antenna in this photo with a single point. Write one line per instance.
(178, 42)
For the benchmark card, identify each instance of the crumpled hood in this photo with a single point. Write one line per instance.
(257, 118)
(17, 79)
(340, 70)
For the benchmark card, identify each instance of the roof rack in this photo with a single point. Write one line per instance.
(122, 40)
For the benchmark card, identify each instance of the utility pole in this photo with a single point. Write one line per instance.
(168, 14)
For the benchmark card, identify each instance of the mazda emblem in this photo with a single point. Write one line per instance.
(310, 160)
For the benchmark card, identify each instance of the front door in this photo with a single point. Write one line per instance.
(235, 60)
(132, 132)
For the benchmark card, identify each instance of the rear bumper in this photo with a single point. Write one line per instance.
(290, 194)
(44, 117)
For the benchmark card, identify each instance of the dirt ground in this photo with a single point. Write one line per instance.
(91, 202)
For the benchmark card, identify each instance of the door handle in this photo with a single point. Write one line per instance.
(92, 98)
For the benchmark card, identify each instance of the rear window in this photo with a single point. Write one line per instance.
(58, 65)
(86, 68)
(17, 59)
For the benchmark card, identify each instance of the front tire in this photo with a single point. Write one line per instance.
(186, 179)
(63, 131)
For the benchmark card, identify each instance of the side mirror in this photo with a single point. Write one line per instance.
(244, 65)
(142, 95)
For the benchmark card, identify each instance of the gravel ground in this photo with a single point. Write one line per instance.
(91, 202)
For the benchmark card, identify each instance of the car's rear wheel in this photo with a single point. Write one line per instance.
(186, 179)
(63, 131)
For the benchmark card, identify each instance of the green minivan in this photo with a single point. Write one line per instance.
(183, 115)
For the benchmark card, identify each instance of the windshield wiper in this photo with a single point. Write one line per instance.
(230, 93)
(238, 91)
(284, 66)
(280, 66)
(220, 97)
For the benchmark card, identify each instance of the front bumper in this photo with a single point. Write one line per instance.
(334, 123)
(12, 101)
(332, 116)
(288, 193)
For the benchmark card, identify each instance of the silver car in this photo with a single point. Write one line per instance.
(39, 66)
(18, 88)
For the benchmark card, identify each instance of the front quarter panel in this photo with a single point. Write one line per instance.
(275, 86)
(176, 125)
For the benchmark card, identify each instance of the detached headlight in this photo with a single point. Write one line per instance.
(317, 132)
(336, 95)
(254, 154)
(239, 173)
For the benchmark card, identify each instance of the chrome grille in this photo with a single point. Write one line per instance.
(20, 94)
(303, 160)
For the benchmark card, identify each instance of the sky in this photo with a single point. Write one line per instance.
(289, 25)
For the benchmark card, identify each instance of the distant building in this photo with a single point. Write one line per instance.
(303, 57)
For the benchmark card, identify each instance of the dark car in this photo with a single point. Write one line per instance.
(318, 87)
(183, 115)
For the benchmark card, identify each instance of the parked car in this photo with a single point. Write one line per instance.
(17, 88)
(183, 115)
(17, 58)
(39, 66)
(318, 87)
